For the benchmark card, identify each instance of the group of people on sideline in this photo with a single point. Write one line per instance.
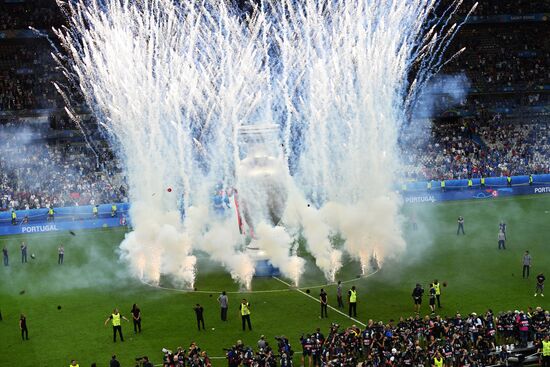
(24, 254)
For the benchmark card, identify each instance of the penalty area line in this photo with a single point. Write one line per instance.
(318, 301)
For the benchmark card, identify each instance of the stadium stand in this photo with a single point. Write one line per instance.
(460, 150)
(38, 175)
(492, 131)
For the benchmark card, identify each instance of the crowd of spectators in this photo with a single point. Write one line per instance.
(499, 58)
(463, 150)
(27, 75)
(501, 55)
(40, 175)
(42, 14)
(470, 340)
(491, 7)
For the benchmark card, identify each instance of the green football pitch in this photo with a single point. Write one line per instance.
(67, 304)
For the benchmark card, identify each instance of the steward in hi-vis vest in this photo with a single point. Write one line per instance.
(115, 320)
(244, 309)
(352, 297)
(545, 351)
(437, 288)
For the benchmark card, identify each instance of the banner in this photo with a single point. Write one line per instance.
(45, 227)
(436, 195)
(507, 18)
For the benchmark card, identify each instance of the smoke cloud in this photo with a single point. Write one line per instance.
(298, 103)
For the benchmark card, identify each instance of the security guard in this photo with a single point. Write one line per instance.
(442, 185)
(437, 288)
(530, 179)
(509, 180)
(13, 217)
(50, 214)
(115, 319)
(429, 185)
(244, 308)
(352, 298)
(438, 360)
(482, 181)
(545, 352)
(74, 363)
(113, 210)
(94, 211)
(470, 183)
(403, 187)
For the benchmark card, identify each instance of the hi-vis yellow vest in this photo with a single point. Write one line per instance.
(437, 289)
(438, 362)
(546, 348)
(116, 319)
(76, 365)
(353, 296)
(244, 309)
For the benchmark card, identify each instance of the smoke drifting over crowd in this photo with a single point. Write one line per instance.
(289, 117)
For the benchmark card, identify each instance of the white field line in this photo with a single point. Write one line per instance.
(318, 301)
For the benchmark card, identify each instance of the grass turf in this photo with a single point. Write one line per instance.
(92, 282)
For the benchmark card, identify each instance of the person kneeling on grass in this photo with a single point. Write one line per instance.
(539, 289)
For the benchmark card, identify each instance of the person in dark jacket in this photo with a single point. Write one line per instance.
(417, 293)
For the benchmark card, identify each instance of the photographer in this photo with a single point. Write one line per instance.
(248, 357)
(180, 356)
(114, 362)
(233, 357)
(143, 362)
(205, 359)
(307, 346)
(168, 360)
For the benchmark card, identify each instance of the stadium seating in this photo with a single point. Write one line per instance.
(491, 132)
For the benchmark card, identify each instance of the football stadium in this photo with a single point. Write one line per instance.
(274, 183)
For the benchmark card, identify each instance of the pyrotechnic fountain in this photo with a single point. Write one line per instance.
(290, 114)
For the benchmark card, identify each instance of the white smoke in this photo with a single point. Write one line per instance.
(276, 244)
(302, 218)
(222, 241)
(168, 84)
(176, 85)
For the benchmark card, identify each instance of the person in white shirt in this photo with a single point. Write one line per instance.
(61, 253)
